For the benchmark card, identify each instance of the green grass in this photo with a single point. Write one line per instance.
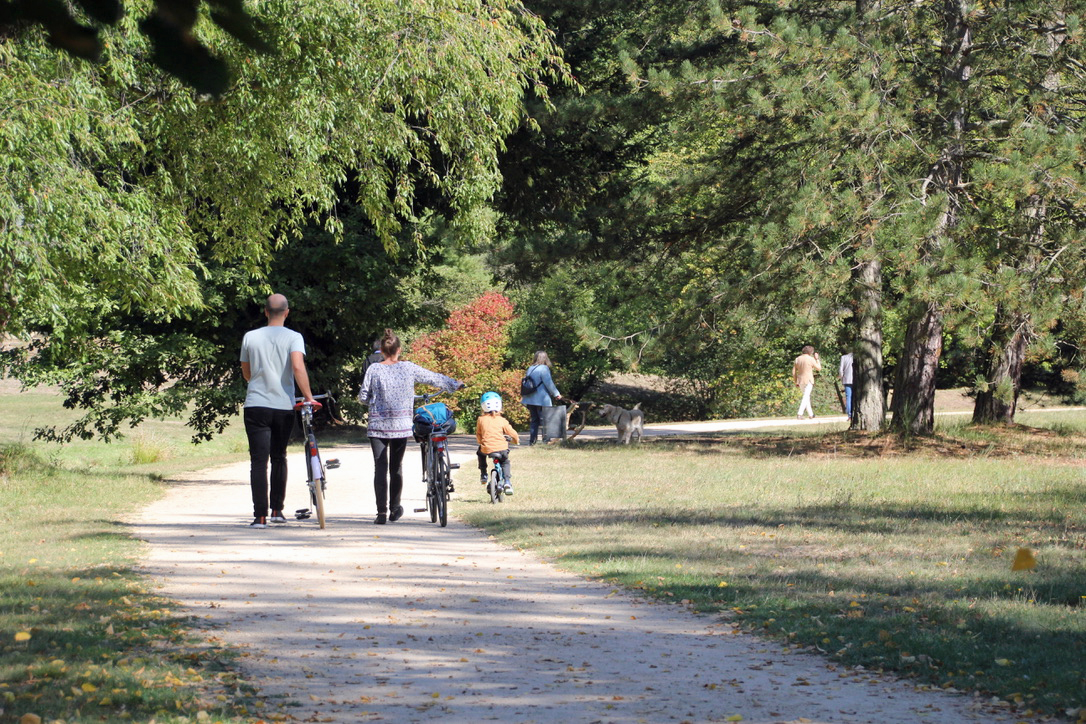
(102, 646)
(876, 556)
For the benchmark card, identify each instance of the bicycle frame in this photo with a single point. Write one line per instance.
(436, 472)
(315, 468)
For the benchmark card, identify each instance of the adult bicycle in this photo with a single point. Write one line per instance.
(436, 466)
(314, 468)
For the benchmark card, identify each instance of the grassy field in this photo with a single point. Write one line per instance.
(879, 553)
(888, 554)
(82, 638)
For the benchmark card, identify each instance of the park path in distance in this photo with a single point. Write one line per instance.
(409, 622)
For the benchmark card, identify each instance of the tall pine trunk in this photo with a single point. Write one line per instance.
(1013, 330)
(869, 389)
(913, 404)
(914, 388)
(869, 400)
(998, 400)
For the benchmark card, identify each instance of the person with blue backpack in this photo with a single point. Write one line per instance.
(389, 390)
(536, 390)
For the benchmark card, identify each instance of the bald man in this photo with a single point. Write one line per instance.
(272, 361)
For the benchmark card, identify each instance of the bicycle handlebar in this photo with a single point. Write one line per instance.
(429, 395)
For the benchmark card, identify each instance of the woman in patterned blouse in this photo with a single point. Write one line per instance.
(389, 390)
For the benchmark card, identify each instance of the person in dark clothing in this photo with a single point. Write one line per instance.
(272, 362)
(543, 389)
(376, 357)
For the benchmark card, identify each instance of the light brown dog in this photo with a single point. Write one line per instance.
(627, 422)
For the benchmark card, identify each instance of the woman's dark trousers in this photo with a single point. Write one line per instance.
(388, 471)
(535, 422)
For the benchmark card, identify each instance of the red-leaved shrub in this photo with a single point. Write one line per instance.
(472, 348)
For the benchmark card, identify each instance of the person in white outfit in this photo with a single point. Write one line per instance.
(803, 370)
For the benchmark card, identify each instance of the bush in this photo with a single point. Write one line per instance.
(15, 458)
(472, 348)
(149, 449)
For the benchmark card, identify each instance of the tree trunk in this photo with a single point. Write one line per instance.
(868, 397)
(998, 400)
(913, 404)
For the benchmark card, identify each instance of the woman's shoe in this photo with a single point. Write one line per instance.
(395, 514)
(381, 519)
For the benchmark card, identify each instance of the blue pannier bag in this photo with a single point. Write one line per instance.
(433, 418)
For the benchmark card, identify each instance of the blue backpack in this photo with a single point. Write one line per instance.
(433, 418)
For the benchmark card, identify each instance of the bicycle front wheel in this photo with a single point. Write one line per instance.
(316, 493)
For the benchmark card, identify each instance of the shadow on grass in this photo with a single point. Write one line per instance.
(100, 647)
(945, 634)
(974, 633)
(971, 442)
(845, 517)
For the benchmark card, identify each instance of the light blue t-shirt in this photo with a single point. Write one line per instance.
(271, 382)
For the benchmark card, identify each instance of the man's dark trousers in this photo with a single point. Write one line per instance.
(268, 431)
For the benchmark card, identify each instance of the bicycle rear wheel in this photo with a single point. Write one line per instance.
(428, 478)
(441, 490)
(316, 494)
(493, 487)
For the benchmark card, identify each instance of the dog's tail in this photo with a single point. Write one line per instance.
(637, 406)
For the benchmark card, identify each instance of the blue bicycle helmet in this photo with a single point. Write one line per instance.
(491, 402)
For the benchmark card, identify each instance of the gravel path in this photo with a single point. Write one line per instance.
(409, 622)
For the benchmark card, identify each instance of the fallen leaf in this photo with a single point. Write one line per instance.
(1024, 560)
(22, 636)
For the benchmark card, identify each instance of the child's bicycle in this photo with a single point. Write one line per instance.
(495, 481)
(436, 470)
(314, 468)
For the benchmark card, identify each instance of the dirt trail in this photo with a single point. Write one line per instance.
(407, 622)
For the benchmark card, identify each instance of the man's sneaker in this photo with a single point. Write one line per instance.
(277, 517)
(508, 489)
(259, 522)
(482, 479)
(395, 514)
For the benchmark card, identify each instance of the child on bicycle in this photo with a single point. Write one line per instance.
(492, 431)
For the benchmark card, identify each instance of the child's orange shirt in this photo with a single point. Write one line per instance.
(490, 432)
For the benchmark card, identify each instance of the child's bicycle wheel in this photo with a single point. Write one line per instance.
(494, 487)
